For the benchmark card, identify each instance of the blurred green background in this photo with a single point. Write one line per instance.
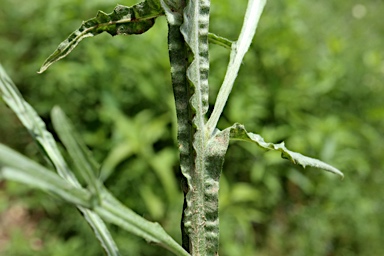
(312, 78)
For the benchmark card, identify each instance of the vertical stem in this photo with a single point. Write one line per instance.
(198, 214)
(189, 58)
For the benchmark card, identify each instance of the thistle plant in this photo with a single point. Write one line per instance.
(202, 146)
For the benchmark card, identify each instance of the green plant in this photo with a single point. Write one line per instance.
(202, 146)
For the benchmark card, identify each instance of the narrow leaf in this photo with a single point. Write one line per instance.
(222, 41)
(239, 48)
(122, 21)
(19, 168)
(101, 232)
(87, 166)
(35, 125)
(113, 211)
(238, 132)
(80, 155)
(44, 139)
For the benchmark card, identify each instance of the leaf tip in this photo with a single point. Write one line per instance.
(42, 69)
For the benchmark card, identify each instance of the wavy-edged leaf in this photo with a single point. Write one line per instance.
(238, 132)
(239, 48)
(123, 20)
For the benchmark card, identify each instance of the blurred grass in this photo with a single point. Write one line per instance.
(313, 78)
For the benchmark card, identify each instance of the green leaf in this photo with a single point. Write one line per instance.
(87, 166)
(19, 168)
(238, 132)
(222, 41)
(113, 211)
(122, 21)
(80, 155)
(101, 232)
(239, 48)
(44, 139)
(35, 125)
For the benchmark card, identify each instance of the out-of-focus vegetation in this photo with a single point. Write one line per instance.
(313, 78)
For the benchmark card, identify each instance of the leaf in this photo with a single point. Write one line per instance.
(35, 125)
(239, 48)
(122, 21)
(44, 139)
(222, 41)
(101, 232)
(19, 168)
(80, 155)
(238, 132)
(115, 212)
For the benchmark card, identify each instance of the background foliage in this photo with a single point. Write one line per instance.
(313, 78)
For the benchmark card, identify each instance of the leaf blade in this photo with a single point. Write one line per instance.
(123, 20)
(82, 160)
(239, 48)
(19, 168)
(238, 132)
(45, 140)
